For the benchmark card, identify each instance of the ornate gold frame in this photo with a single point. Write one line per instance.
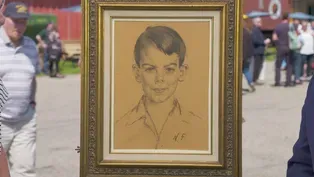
(230, 82)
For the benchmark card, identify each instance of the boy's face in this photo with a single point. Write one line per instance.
(159, 74)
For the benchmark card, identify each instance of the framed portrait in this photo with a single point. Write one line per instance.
(161, 88)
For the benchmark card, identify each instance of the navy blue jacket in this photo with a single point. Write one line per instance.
(258, 41)
(248, 48)
(302, 162)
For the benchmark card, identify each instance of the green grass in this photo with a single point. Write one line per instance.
(67, 68)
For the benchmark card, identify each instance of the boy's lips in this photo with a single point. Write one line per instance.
(160, 90)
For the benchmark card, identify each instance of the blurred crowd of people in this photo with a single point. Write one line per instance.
(294, 43)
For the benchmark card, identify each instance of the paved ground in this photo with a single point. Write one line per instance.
(271, 128)
(58, 127)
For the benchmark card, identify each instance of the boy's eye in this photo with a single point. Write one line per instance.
(149, 69)
(170, 70)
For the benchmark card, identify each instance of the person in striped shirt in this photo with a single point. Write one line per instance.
(19, 66)
(3, 95)
(4, 169)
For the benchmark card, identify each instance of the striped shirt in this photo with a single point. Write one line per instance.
(18, 68)
(3, 95)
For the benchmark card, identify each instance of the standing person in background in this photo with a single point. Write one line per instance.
(19, 65)
(302, 28)
(248, 53)
(295, 46)
(43, 37)
(4, 168)
(281, 39)
(307, 49)
(54, 51)
(259, 43)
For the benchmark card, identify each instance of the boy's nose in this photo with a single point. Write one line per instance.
(159, 77)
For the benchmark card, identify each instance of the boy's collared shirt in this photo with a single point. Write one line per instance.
(182, 130)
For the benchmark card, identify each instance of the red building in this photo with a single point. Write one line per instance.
(49, 3)
(275, 7)
(69, 23)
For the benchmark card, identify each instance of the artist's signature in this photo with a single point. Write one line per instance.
(179, 137)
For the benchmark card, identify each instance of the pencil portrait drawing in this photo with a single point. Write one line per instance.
(160, 88)
(158, 120)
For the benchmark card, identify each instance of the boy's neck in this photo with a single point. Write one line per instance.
(166, 105)
(159, 112)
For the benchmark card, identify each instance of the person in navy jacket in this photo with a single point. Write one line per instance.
(260, 44)
(301, 163)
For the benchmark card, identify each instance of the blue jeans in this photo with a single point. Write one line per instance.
(298, 67)
(248, 75)
(307, 59)
(46, 62)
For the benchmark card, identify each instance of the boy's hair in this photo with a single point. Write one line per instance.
(163, 38)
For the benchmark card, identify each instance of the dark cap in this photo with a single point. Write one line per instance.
(16, 10)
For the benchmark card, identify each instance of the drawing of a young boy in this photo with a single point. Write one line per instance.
(158, 121)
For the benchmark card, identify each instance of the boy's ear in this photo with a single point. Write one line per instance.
(183, 70)
(136, 72)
